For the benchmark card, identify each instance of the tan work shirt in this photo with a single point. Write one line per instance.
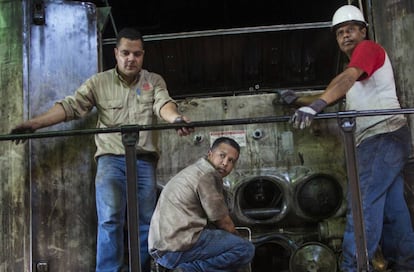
(119, 104)
(189, 201)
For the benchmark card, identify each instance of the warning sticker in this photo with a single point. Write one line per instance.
(238, 135)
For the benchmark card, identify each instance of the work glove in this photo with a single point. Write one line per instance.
(287, 97)
(303, 117)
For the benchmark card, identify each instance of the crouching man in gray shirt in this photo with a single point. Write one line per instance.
(181, 236)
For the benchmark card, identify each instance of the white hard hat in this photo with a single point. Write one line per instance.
(348, 13)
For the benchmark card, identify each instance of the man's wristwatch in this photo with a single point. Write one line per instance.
(179, 119)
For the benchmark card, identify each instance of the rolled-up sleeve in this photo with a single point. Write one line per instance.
(81, 103)
(161, 95)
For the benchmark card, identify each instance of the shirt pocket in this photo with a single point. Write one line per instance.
(146, 102)
(112, 112)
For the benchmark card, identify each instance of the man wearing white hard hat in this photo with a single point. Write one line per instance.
(382, 142)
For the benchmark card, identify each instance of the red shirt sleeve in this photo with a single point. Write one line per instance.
(367, 56)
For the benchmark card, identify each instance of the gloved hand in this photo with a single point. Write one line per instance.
(303, 117)
(287, 97)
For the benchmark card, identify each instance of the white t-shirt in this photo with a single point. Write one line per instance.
(375, 90)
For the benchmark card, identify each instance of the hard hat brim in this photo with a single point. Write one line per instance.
(360, 23)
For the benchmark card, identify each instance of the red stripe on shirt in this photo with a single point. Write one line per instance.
(367, 56)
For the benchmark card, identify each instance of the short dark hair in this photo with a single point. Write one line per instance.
(225, 140)
(130, 34)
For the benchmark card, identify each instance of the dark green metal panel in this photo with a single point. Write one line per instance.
(14, 225)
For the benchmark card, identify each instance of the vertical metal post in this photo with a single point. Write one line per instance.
(347, 125)
(129, 139)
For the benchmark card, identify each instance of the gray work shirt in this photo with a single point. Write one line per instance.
(189, 201)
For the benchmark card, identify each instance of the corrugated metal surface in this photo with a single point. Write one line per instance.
(226, 63)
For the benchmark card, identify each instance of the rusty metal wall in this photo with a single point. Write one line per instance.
(298, 58)
(47, 189)
(14, 227)
(281, 174)
(265, 146)
(393, 27)
(47, 210)
(393, 21)
(63, 53)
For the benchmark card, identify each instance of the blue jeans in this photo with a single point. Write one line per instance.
(381, 159)
(111, 209)
(215, 250)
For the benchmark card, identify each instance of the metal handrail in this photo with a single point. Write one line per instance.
(130, 135)
(209, 123)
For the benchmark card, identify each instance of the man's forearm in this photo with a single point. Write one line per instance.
(53, 116)
(169, 112)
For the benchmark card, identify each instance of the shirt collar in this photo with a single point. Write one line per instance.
(122, 80)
